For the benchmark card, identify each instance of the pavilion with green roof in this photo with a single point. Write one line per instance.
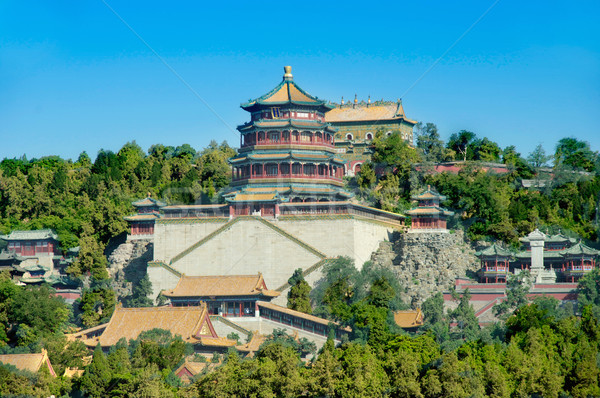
(495, 263)
(578, 260)
(141, 224)
(428, 215)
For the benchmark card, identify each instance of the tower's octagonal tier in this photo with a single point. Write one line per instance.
(287, 151)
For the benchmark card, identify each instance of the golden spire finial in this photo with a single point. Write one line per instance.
(288, 73)
(369, 101)
(342, 100)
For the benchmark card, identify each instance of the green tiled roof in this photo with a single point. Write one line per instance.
(37, 234)
(579, 249)
(494, 251)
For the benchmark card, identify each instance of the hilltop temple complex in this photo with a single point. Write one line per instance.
(286, 207)
(358, 122)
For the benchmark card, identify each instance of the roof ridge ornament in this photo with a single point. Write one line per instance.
(288, 73)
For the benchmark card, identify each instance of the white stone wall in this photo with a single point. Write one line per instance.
(354, 238)
(161, 279)
(246, 248)
(172, 239)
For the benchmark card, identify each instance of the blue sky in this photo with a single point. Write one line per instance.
(74, 78)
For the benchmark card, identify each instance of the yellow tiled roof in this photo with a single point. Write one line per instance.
(363, 113)
(281, 95)
(195, 367)
(30, 362)
(141, 217)
(408, 319)
(217, 342)
(309, 155)
(70, 372)
(427, 195)
(130, 322)
(255, 196)
(270, 155)
(228, 285)
(425, 210)
(254, 344)
(267, 189)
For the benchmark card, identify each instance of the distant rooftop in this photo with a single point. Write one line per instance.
(363, 111)
(37, 234)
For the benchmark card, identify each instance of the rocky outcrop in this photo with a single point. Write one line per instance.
(426, 263)
(127, 265)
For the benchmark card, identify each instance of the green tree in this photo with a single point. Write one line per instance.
(97, 376)
(460, 143)
(517, 289)
(467, 327)
(575, 153)
(538, 158)
(588, 292)
(299, 293)
(366, 176)
(429, 142)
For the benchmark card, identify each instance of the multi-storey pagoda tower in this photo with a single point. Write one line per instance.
(428, 215)
(286, 153)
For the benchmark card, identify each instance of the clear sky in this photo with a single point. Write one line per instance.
(74, 77)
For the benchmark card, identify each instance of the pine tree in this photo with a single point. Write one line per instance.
(298, 296)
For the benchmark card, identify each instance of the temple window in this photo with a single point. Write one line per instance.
(369, 136)
(349, 137)
(305, 136)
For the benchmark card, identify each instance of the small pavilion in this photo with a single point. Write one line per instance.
(578, 260)
(428, 215)
(494, 263)
(141, 224)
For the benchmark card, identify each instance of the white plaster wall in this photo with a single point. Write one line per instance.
(367, 237)
(346, 237)
(172, 239)
(161, 279)
(248, 247)
(332, 237)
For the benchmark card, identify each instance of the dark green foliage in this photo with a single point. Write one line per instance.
(29, 313)
(302, 346)
(140, 293)
(577, 154)
(588, 291)
(517, 289)
(366, 176)
(430, 144)
(299, 294)
(97, 304)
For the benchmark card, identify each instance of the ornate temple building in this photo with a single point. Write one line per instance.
(358, 122)
(495, 263)
(141, 224)
(428, 215)
(193, 324)
(548, 258)
(42, 242)
(286, 154)
(226, 295)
